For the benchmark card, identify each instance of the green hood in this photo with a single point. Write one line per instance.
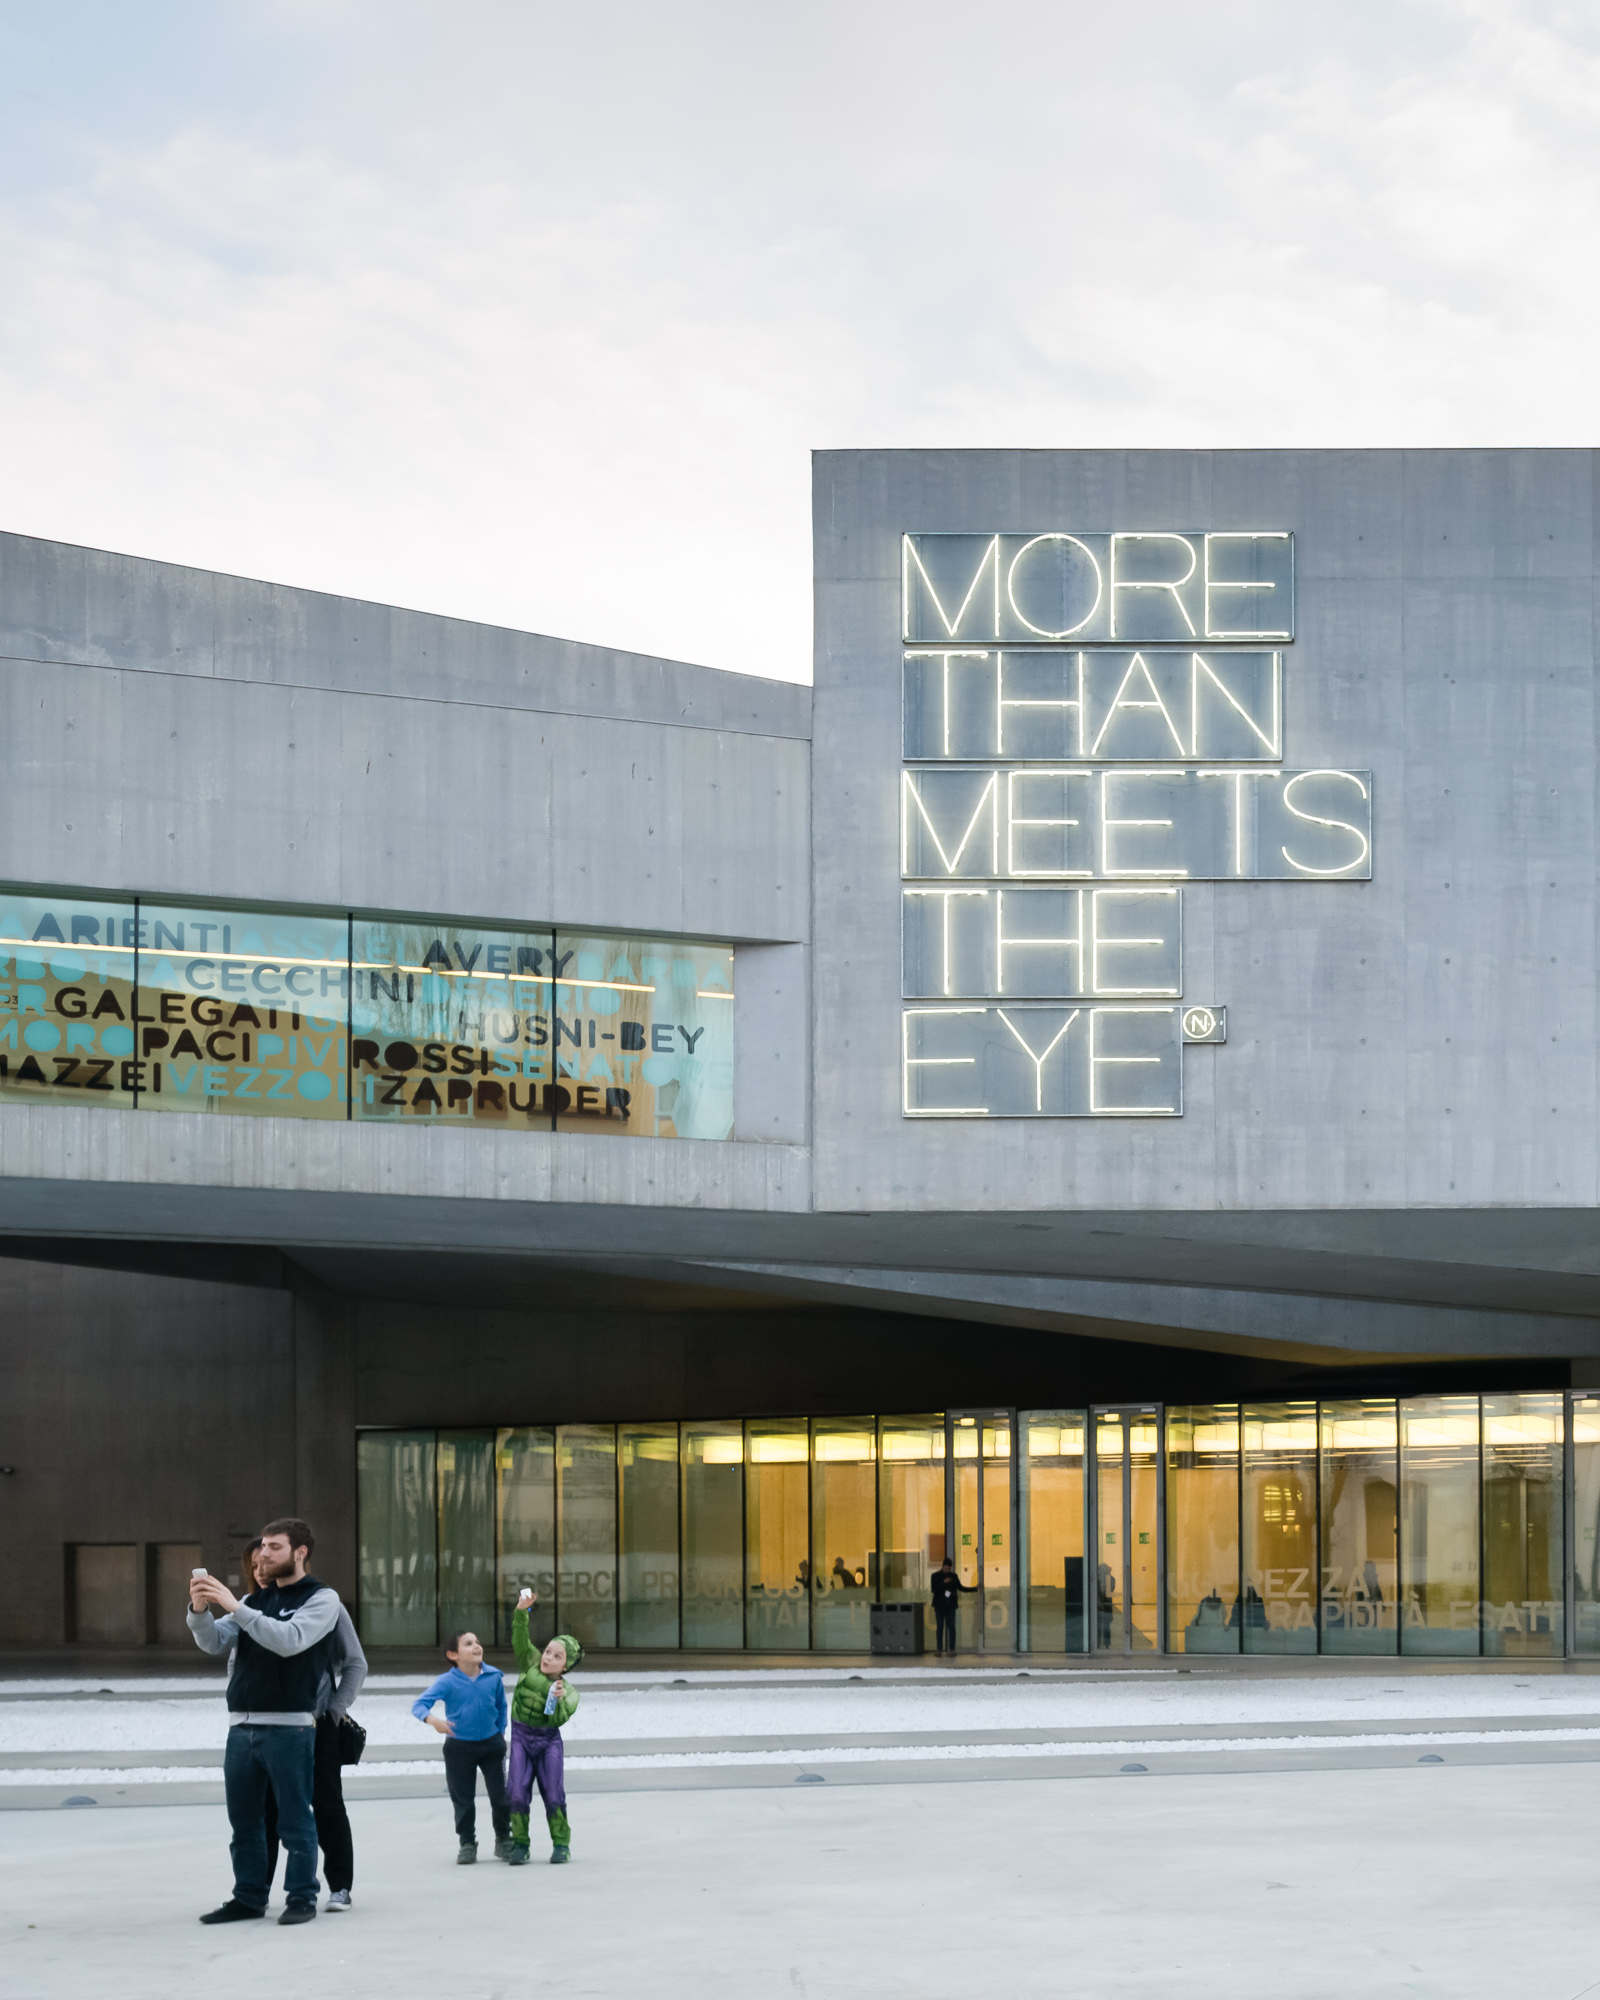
(574, 1650)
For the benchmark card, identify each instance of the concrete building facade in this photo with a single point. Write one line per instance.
(1135, 1014)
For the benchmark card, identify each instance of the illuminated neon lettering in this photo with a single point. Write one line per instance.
(989, 796)
(910, 1062)
(1001, 704)
(1123, 699)
(946, 896)
(1003, 944)
(1108, 821)
(1101, 942)
(1014, 819)
(1271, 740)
(1173, 584)
(1097, 1062)
(952, 626)
(1215, 583)
(1037, 1060)
(1317, 819)
(1027, 548)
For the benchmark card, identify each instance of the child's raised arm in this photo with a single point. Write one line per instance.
(521, 1644)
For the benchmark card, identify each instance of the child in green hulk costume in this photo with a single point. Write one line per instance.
(536, 1751)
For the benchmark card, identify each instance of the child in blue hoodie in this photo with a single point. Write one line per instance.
(474, 1732)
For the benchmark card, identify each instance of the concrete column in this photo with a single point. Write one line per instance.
(325, 1434)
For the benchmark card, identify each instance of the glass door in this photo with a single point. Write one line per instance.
(1127, 1529)
(982, 1511)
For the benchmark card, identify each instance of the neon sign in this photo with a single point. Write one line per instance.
(1142, 589)
(1090, 720)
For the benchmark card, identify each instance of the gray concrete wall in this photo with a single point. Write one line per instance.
(139, 1410)
(1423, 1040)
(190, 735)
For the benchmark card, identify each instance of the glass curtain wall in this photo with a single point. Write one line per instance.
(1440, 1525)
(911, 1526)
(396, 1496)
(336, 1015)
(844, 1532)
(1203, 1610)
(1279, 1521)
(999, 1607)
(777, 1535)
(1360, 1527)
(466, 1482)
(1524, 1605)
(525, 1506)
(713, 1535)
(586, 1527)
(1586, 1524)
(647, 1534)
(67, 1014)
(1050, 1504)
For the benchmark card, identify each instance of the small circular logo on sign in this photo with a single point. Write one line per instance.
(1199, 1022)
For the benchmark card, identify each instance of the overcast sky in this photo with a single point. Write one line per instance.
(532, 313)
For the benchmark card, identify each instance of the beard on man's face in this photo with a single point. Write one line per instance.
(269, 1570)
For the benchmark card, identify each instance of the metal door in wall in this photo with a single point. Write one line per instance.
(982, 1499)
(1126, 1529)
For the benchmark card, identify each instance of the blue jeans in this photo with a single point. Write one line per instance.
(282, 1761)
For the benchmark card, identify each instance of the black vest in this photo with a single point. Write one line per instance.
(264, 1683)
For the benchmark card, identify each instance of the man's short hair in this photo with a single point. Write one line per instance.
(300, 1536)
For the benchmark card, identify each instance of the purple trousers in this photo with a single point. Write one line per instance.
(536, 1754)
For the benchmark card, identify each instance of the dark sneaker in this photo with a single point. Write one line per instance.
(339, 1900)
(502, 1850)
(231, 1912)
(560, 1854)
(518, 1857)
(468, 1854)
(298, 1913)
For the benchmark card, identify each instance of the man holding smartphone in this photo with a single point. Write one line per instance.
(284, 1640)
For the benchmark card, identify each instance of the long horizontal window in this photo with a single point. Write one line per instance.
(303, 1014)
(1427, 1526)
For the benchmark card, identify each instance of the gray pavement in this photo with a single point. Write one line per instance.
(1460, 1879)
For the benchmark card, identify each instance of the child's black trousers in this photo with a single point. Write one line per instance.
(462, 1763)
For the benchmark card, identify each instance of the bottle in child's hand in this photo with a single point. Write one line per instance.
(550, 1700)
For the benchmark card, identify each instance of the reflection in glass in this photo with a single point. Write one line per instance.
(525, 1495)
(843, 1532)
(1050, 1500)
(1439, 1524)
(1586, 1524)
(1524, 1611)
(466, 1533)
(967, 1495)
(1144, 1543)
(777, 1547)
(1111, 1538)
(1360, 1475)
(713, 1535)
(398, 1526)
(1280, 1527)
(243, 1011)
(66, 999)
(643, 1036)
(451, 1022)
(911, 1510)
(586, 1513)
(1203, 1612)
(647, 1457)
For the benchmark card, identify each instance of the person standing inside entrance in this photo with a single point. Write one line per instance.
(947, 1589)
(284, 1637)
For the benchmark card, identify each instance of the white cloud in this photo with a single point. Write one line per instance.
(535, 320)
